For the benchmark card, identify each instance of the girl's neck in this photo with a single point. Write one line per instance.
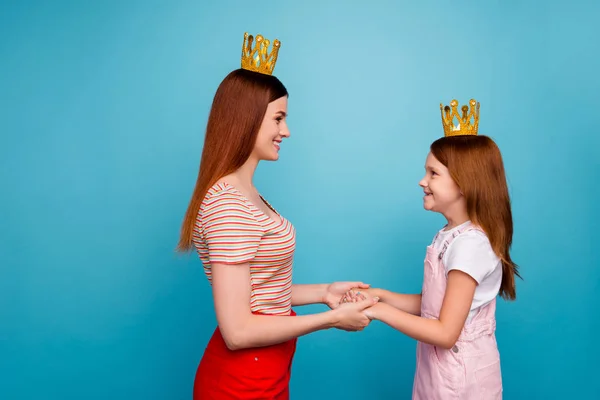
(456, 219)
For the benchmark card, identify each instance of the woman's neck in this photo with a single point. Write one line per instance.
(243, 176)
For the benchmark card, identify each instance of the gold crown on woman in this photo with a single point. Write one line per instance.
(468, 122)
(258, 59)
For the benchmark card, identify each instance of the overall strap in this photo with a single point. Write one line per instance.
(469, 227)
(435, 238)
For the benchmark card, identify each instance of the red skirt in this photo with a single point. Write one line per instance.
(247, 374)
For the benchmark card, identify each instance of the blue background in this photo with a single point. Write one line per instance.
(103, 107)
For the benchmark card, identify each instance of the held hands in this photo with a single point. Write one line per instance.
(353, 316)
(350, 316)
(355, 294)
(335, 291)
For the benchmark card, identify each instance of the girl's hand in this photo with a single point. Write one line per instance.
(355, 294)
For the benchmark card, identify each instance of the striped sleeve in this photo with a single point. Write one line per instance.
(231, 230)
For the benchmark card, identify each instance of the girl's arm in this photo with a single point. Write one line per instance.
(442, 332)
(410, 303)
(242, 329)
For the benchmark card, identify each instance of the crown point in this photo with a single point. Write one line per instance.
(454, 103)
(473, 102)
(465, 109)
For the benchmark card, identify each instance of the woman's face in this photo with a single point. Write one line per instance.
(272, 131)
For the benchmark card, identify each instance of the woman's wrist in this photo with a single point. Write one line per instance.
(323, 293)
(333, 318)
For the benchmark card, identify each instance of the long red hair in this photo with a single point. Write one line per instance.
(236, 115)
(475, 164)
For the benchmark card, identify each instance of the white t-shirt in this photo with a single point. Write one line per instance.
(471, 253)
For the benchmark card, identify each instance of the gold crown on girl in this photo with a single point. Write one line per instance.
(468, 122)
(258, 59)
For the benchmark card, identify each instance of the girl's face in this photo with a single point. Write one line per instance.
(442, 194)
(272, 131)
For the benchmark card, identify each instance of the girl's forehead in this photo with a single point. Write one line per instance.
(431, 160)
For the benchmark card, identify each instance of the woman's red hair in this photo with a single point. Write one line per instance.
(235, 118)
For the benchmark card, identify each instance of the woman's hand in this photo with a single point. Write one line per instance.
(352, 316)
(334, 292)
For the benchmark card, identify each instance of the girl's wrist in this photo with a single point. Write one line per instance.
(373, 311)
(376, 292)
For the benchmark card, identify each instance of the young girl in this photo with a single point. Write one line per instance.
(467, 265)
(247, 247)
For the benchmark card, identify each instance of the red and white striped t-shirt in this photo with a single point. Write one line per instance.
(232, 230)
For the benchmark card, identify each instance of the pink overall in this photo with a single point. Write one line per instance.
(471, 369)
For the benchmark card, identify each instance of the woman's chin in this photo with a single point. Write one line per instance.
(271, 157)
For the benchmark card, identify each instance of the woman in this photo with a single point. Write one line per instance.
(247, 247)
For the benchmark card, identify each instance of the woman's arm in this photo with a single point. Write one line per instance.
(308, 294)
(442, 332)
(242, 329)
(329, 294)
